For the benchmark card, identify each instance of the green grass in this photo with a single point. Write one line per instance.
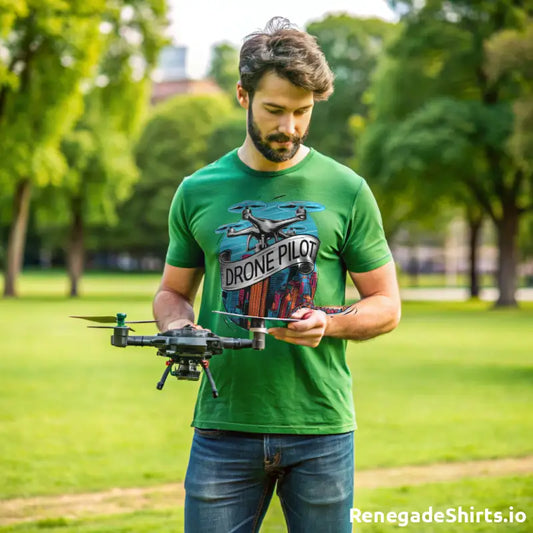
(142, 521)
(54, 285)
(452, 383)
(494, 494)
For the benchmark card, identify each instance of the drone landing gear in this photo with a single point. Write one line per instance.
(188, 370)
(205, 366)
(161, 382)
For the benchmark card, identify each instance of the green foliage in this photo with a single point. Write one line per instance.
(224, 67)
(174, 143)
(50, 47)
(99, 150)
(526, 241)
(175, 138)
(445, 117)
(436, 148)
(229, 135)
(352, 47)
(133, 37)
(509, 56)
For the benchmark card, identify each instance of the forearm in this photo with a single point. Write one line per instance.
(172, 310)
(368, 318)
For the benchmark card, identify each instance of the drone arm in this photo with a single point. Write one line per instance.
(235, 344)
(121, 339)
(141, 340)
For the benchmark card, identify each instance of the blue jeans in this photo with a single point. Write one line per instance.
(231, 478)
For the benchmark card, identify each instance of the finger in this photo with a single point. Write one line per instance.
(308, 321)
(284, 333)
(303, 313)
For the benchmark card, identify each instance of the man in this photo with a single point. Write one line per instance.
(273, 227)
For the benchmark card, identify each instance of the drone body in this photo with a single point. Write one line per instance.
(186, 349)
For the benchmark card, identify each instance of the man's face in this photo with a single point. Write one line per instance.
(278, 117)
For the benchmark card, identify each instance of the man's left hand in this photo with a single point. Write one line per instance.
(308, 331)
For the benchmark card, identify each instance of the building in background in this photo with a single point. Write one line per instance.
(170, 77)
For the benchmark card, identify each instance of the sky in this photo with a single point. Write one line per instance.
(198, 24)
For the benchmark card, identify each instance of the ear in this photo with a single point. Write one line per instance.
(242, 96)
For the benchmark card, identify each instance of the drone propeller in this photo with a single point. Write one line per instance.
(110, 320)
(108, 327)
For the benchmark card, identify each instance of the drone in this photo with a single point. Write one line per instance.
(187, 349)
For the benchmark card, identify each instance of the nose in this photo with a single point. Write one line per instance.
(287, 124)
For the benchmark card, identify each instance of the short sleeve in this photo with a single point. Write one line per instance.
(365, 247)
(183, 250)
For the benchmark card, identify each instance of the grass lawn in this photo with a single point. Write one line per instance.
(496, 495)
(452, 383)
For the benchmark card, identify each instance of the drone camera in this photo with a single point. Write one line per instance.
(188, 371)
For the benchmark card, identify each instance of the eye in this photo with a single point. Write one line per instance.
(300, 112)
(275, 111)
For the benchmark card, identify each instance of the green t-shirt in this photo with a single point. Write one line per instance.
(272, 242)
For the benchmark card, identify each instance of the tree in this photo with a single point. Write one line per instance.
(224, 67)
(110, 95)
(174, 143)
(227, 135)
(440, 55)
(425, 159)
(48, 47)
(352, 47)
(102, 168)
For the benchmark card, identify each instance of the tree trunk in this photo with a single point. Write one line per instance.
(507, 228)
(17, 236)
(413, 266)
(75, 252)
(474, 230)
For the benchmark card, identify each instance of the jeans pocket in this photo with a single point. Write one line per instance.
(209, 433)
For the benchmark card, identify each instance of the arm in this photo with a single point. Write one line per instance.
(173, 302)
(376, 313)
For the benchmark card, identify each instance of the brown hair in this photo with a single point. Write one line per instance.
(292, 54)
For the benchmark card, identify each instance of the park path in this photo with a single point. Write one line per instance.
(457, 294)
(126, 500)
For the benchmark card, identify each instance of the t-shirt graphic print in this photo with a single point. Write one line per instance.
(268, 258)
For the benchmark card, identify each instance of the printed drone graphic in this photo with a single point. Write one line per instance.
(263, 229)
(267, 259)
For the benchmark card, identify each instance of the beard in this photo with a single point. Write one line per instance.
(264, 146)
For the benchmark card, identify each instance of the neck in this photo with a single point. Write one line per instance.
(251, 157)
